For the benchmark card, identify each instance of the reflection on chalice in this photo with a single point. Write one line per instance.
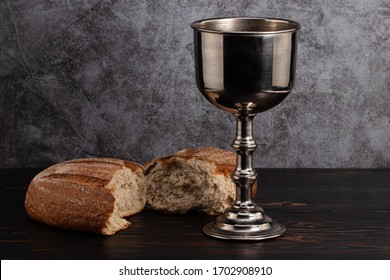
(245, 66)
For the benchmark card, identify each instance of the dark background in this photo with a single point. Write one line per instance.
(116, 78)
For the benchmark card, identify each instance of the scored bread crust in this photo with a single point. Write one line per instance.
(91, 194)
(192, 179)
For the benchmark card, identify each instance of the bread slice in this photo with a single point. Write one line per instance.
(91, 194)
(191, 179)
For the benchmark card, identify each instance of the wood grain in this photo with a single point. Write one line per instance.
(329, 214)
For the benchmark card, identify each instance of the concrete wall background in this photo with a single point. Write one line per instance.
(116, 78)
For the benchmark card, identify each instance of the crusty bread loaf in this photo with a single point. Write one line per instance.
(92, 194)
(191, 179)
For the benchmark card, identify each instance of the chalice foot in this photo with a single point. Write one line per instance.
(244, 224)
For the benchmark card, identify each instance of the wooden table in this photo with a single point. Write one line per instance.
(328, 213)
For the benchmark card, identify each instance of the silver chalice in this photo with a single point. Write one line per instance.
(245, 66)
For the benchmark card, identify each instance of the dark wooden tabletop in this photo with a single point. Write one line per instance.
(328, 213)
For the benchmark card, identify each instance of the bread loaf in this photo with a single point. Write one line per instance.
(93, 194)
(191, 179)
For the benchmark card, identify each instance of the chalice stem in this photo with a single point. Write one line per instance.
(244, 220)
(244, 176)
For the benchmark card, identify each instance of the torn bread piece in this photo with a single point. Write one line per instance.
(192, 180)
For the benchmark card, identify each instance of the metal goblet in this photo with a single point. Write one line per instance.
(245, 66)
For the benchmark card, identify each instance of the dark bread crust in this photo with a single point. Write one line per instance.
(74, 194)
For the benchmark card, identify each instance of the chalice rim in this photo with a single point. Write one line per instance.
(199, 26)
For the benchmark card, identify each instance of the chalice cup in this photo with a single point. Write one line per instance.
(245, 66)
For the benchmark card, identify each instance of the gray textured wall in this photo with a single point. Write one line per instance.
(116, 78)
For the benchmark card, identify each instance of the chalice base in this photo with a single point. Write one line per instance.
(244, 224)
